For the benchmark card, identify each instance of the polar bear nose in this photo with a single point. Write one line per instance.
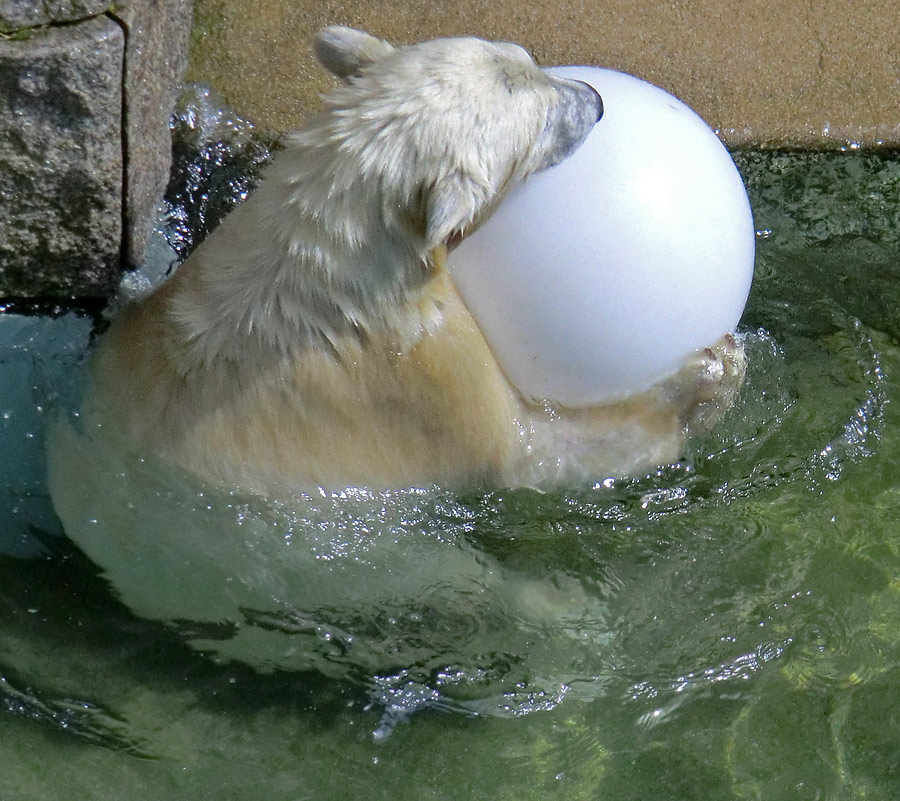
(572, 117)
(597, 100)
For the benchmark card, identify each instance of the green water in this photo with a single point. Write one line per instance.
(728, 628)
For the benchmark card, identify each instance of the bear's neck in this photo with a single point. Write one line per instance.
(317, 255)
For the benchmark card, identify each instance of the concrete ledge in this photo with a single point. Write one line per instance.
(761, 72)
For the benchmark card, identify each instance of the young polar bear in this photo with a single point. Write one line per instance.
(316, 338)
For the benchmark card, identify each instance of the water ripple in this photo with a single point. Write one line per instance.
(671, 692)
(79, 718)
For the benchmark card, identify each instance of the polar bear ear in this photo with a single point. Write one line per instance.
(452, 206)
(344, 52)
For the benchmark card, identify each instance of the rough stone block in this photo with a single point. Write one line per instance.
(17, 14)
(157, 33)
(61, 163)
(85, 145)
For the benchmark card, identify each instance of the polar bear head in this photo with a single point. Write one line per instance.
(441, 129)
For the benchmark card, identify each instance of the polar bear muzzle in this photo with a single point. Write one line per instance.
(578, 109)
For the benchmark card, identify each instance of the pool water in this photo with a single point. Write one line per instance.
(726, 628)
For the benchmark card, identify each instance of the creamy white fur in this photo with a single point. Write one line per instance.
(315, 339)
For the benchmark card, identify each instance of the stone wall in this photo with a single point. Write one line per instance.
(86, 92)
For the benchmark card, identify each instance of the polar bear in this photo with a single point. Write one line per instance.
(314, 373)
(315, 339)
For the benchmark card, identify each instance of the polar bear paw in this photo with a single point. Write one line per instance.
(707, 384)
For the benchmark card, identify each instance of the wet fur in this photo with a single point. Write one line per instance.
(316, 338)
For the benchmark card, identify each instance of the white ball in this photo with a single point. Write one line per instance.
(596, 278)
